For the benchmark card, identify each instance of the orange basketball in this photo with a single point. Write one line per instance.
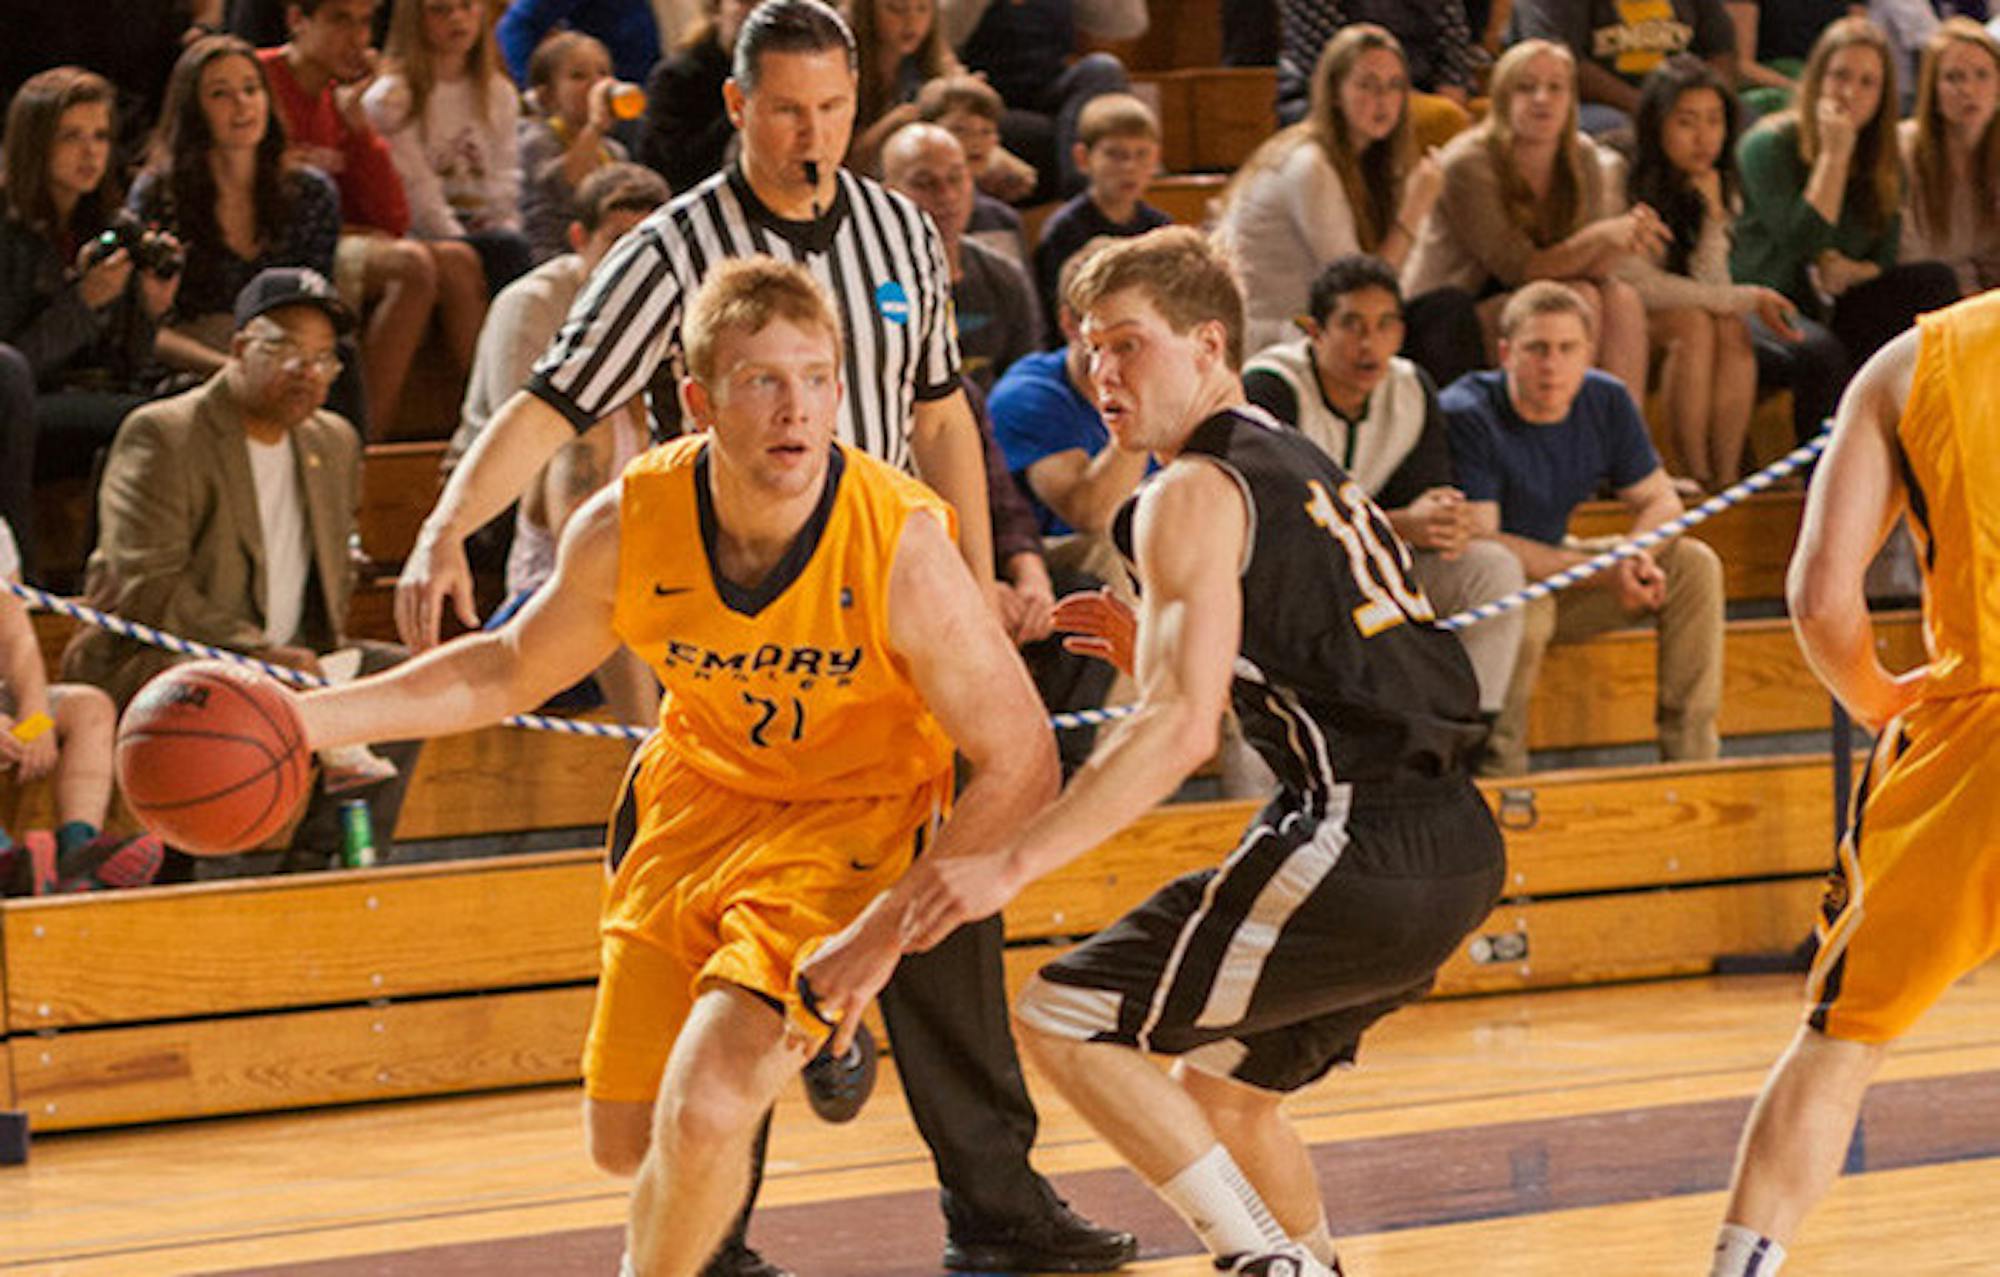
(212, 757)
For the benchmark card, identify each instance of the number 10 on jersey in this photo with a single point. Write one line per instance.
(1381, 570)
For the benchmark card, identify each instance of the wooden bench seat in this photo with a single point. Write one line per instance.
(1601, 692)
(286, 992)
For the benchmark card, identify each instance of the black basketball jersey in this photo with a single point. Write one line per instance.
(1341, 675)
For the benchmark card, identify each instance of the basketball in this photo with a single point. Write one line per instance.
(212, 757)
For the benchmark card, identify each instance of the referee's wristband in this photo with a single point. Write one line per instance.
(31, 728)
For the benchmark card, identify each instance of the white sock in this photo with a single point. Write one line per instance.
(625, 1268)
(1218, 1203)
(1745, 1252)
(1319, 1243)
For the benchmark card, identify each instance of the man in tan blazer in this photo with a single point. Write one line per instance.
(225, 516)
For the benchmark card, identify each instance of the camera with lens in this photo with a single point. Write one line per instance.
(152, 250)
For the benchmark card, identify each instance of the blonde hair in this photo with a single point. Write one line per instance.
(409, 56)
(1186, 277)
(1932, 198)
(1556, 216)
(745, 294)
(1545, 297)
(1372, 178)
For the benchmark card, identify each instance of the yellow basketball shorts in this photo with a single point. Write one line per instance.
(710, 886)
(1914, 901)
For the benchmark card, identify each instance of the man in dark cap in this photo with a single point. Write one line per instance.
(224, 517)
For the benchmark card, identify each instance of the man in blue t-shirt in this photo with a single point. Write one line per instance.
(1045, 418)
(1532, 440)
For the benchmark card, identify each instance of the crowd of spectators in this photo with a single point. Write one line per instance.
(1706, 200)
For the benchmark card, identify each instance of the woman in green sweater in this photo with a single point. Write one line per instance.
(1822, 194)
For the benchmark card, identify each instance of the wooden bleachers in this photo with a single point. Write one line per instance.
(504, 781)
(1211, 118)
(290, 992)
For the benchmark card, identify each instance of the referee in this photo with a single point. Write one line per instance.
(792, 99)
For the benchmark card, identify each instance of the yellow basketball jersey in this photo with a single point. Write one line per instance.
(1950, 435)
(789, 691)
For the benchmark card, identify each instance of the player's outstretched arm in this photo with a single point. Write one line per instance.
(562, 634)
(972, 679)
(1855, 498)
(507, 456)
(1193, 527)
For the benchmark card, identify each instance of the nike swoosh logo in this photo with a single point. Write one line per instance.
(662, 591)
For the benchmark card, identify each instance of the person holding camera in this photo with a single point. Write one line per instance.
(219, 178)
(82, 290)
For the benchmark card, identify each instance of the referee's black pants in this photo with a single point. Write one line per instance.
(946, 1012)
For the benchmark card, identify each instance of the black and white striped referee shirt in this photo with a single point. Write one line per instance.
(875, 252)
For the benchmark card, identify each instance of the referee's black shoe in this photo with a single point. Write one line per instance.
(1056, 1241)
(837, 1088)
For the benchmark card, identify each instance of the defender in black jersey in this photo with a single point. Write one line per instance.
(1272, 583)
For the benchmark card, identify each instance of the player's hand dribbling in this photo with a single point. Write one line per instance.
(1100, 626)
(435, 572)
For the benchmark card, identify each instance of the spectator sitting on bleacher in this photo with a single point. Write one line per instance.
(1118, 146)
(1822, 222)
(1684, 167)
(1439, 50)
(966, 107)
(453, 123)
(225, 516)
(219, 179)
(1377, 416)
(1616, 44)
(1027, 50)
(1526, 196)
(317, 81)
(566, 138)
(1026, 588)
(78, 324)
(998, 318)
(63, 734)
(1951, 157)
(1530, 442)
(1074, 473)
(686, 132)
(899, 47)
(1346, 179)
(524, 319)
(628, 28)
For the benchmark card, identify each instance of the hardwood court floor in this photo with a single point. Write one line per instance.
(1574, 1132)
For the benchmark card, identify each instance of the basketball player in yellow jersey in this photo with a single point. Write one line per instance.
(822, 647)
(1914, 902)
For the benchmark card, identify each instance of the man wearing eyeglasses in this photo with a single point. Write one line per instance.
(224, 516)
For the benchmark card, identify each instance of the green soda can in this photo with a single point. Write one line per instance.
(357, 835)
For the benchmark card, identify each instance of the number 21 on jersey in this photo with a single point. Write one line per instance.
(1378, 562)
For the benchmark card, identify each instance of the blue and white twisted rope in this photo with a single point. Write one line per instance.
(118, 625)
(1708, 509)
(1732, 495)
